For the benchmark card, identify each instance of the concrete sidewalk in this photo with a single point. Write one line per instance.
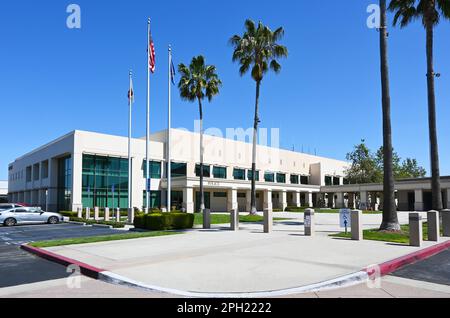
(218, 260)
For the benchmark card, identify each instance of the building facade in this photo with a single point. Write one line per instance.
(3, 191)
(86, 169)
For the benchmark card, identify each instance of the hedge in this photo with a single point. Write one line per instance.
(115, 225)
(164, 221)
(101, 214)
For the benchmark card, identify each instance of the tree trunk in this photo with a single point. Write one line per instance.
(255, 136)
(390, 217)
(434, 151)
(202, 192)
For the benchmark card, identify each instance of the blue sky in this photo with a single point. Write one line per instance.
(54, 80)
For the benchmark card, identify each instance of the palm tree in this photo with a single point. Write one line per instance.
(198, 81)
(430, 12)
(257, 49)
(390, 218)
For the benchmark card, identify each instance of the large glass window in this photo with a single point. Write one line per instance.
(220, 172)
(105, 182)
(304, 180)
(64, 183)
(206, 171)
(155, 169)
(328, 180)
(336, 181)
(154, 198)
(281, 178)
(269, 177)
(178, 169)
(294, 179)
(250, 175)
(239, 174)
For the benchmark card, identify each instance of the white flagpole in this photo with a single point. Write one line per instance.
(130, 187)
(169, 124)
(147, 153)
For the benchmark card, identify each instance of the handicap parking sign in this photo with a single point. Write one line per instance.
(345, 219)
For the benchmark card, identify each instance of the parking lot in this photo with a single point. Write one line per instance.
(18, 267)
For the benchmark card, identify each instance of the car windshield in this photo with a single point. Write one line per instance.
(5, 207)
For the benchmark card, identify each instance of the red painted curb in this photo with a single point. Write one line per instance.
(392, 265)
(85, 269)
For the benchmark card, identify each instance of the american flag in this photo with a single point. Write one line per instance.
(151, 55)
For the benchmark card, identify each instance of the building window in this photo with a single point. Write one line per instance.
(105, 182)
(346, 181)
(304, 180)
(44, 169)
(155, 169)
(64, 183)
(239, 174)
(28, 174)
(36, 172)
(154, 199)
(328, 180)
(269, 177)
(220, 172)
(220, 194)
(206, 170)
(281, 178)
(178, 169)
(250, 175)
(336, 181)
(241, 195)
(294, 179)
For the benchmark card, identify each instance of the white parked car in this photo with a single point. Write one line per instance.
(22, 215)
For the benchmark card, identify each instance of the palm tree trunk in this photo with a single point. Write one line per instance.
(255, 135)
(390, 218)
(202, 193)
(434, 151)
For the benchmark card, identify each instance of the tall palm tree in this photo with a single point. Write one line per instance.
(390, 218)
(198, 81)
(258, 50)
(430, 12)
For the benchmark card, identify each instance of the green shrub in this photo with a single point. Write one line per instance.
(164, 221)
(69, 214)
(114, 224)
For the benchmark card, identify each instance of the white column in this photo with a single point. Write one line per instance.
(77, 168)
(232, 202)
(283, 200)
(296, 197)
(418, 204)
(309, 199)
(340, 203)
(268, 199)
(188, 197)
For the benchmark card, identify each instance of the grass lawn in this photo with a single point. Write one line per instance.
(225, 218)
(375, 235)
(105, 238)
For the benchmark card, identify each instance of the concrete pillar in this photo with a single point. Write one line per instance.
(363, 200)
(79, 213)
(107, 217)
(248, 198)
(309, 222)
(433, 226)
(351, 200)
(88, 213)
(418, 204)
(415, 229)
(234, 220)
(356, 225)
(309, 200)
(446, 223)
(188, 200)
(268, 200)
(268, 220)
(117, 215)
(96, 213)
(77, 182)
(283, 200)
(232, 201)
(206, 219)
(296, 199)
(330, 200)
(130, 215)
(340, 202)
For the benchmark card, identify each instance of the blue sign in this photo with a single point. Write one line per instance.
(149, 185)
(89, 189)
(113, 188)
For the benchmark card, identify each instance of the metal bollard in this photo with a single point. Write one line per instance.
(234, 220)
(96, 213)
(446, 223)
(107, 214)
(206, 219)
(310, 226)
(88, 213)
(80, 213)
(268, 220)
(415, 229)
(356, 225)
(117, 214)
(433, 226)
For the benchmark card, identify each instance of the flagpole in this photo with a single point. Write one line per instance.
(169, 135)
(130, 187)
(147, 153)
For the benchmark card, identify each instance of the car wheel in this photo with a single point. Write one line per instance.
(10, 222)
(53, 220)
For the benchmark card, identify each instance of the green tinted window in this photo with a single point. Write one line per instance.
(220, 172)
(206, 171)
(155, 169)
(281, 178)
(239, 174)
(269, 177)
(294, 179)
(250, 175)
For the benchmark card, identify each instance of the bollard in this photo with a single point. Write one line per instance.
(96, 213)
(117, 214)
(131, 216)
(356, 225)
(206, 219)
(80, 213)
(268, 220)
(107, 214)
(234, 220)
(310, 226)
(88, 213)
(433, 226)
(446, 223)
(415, 230)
